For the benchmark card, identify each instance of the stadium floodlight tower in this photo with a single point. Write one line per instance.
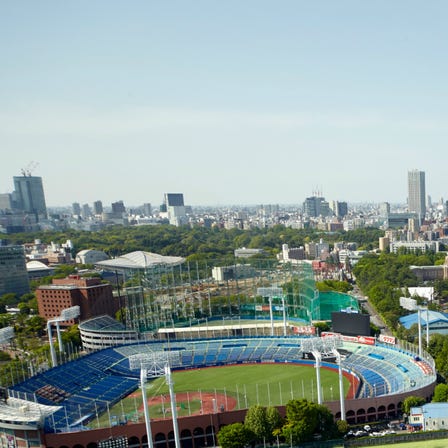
(154, 365)
(66, 314)
(320, 348)
(274, 292)
(6, 334)
(420, 348)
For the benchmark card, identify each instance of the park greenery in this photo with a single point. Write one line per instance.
(196, 242)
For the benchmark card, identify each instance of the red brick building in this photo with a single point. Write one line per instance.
(93, 297)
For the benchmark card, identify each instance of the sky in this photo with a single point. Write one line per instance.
(228, 102)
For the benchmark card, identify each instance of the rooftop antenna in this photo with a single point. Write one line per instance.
(28, 170)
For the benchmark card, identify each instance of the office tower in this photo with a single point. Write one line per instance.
(384, 209)
(5, 201)
(86, 212)
(29, 194)
(76, 208)
(118, 207)
(340, 209)
(417, 193)
(97, 208)
(13, 273)
(176, 209)
(147, 209)
(315, 206)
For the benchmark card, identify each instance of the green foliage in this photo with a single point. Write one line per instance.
(274, 421)
(4, 356)
(438, 349)
(334, 285)
(235, 435)
(322, 326)
(200, 243)
(342, 426)
(304, 418)
(256, 422)
(440, 393)
(72, 336)
(382, 278)
(411, 402)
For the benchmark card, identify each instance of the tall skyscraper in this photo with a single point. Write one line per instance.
(29, 195)
(417, 193)
(176, 209)
(13, 273)
(97, 208)
(76, 208)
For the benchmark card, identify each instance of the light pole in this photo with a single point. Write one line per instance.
(270, 293)
(66, 314)
(154, 365)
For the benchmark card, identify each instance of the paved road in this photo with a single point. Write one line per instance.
(375, 318)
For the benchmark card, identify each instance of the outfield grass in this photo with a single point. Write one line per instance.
(264, 384)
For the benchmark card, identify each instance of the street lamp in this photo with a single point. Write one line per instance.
(66, 314)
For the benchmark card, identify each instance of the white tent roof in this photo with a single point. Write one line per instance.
(36, 265)
(140, 260)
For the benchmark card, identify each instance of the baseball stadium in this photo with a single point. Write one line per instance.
(211, 342)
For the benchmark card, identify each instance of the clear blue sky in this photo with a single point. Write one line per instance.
(226, 101)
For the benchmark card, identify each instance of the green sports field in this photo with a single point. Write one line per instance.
(231, 387)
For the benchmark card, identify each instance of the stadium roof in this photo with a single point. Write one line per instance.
(102, 323)
(35, 265)
(25, 414)
(433, 317)
(140, 260)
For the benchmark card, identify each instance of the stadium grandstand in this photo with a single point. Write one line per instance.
(76, 393)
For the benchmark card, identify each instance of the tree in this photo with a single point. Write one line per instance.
(274, 421)
(304, 419)
(235, 435)
(256, 421)
(440, 393)
(412, 402)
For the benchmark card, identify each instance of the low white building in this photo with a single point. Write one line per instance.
(429, 417)
(90, 256)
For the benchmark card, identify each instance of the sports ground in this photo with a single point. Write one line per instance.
(227, 388)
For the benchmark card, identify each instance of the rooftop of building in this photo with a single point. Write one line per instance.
(140, 260)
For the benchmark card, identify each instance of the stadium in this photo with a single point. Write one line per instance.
(235, 318)
(54, 408)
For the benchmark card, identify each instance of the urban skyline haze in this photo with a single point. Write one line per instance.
(227, 102)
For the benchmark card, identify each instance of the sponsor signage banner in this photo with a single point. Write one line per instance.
(368, 340)
(387, 339)
(305, 329)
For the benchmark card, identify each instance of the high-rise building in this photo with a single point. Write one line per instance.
(13, 273)
(417, 193)
(5, 201)
(147, 209)
(29, 195)
(97, 208)
(315, 206)
(340, 209)
(176, 209)
(118, 207)
(85, 211)
(76, 208)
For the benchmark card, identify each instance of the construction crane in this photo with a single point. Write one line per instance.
(28, 170)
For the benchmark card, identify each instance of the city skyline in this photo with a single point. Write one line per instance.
(235, 103)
